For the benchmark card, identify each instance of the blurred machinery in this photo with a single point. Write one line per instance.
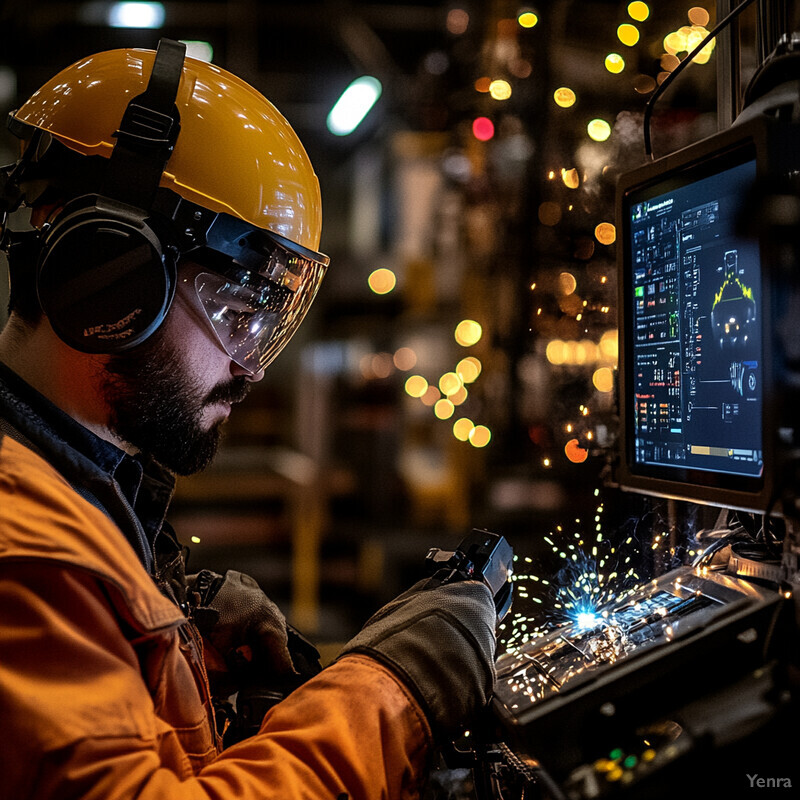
(673, 681)
(688, 685)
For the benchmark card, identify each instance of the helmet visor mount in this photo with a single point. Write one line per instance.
(253, 287)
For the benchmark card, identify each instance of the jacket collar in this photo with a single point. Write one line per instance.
(134, 491)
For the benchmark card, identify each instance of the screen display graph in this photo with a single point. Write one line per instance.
(695, 343)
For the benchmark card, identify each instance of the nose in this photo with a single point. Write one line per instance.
(238, 370)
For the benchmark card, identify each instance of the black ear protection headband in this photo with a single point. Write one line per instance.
(107, 269)
(773, 88)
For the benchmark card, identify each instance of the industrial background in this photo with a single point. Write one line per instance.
(458, 367)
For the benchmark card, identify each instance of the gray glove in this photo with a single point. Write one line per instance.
(439, 639)
(240, 621)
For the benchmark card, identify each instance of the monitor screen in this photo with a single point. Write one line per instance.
(693, 336)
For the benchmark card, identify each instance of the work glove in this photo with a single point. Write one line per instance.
(439, 639)
(250, 650)
(245, 632)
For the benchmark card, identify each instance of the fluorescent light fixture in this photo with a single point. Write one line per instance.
(136, 15)
(202, 51)
(354, 104)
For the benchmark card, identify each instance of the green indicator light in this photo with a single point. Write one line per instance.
(615, 754)
(629, 762)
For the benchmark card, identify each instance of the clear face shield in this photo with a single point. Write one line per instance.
(254, 288)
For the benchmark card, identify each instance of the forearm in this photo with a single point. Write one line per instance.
(353, 729)
(326, 740)
(80, 722)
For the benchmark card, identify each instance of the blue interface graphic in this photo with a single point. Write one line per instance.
(696, 339)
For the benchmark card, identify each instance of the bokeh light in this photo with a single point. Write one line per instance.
(615, 63)
(685, 39)
(567, 283)
(468, 332)
(382, 281)
(643, 84)
(599, 130)
(405, 358)
(628, 34)
(669, 61)
(674, 43)
(353, 105)
(431, 396)
(549, 213)
(574, 452)
(605, 233)
(449, 383)
(468, 369)
(482, 84)
(520, 68)
(699, 16)
(381, 365)
(556, 351)
(638, 11)
(443, 409)
(609, 346)
(436, 62)
(500, 89)
(460, 397)
(583, 351)
(571, 352)
(564, 97)
(482, 129)
(480, 436)
(457, 21)
(570, 178)
(416, 386)
(527, 19)
(462, 428)
(603, 379)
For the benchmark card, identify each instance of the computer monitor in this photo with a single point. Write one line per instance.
(696, 372)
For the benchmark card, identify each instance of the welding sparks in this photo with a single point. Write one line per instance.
(593, 573)
(586, 620)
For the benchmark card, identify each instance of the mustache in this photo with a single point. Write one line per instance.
(232, 392)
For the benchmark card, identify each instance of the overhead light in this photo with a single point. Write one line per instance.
(136, 15)
(202, 51)
(354, 104)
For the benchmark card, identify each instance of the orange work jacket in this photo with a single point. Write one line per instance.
(103, 692)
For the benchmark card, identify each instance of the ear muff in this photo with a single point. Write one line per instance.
(105, 278)
(106, 273)
(773, 88)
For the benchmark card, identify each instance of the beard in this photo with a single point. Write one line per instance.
(157, 406)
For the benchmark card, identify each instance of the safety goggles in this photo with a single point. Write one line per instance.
(254, 287)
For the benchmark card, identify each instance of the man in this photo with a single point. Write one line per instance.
(175, 221)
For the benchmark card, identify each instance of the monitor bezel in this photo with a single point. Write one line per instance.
(760, 139)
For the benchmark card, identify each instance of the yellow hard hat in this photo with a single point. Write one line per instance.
(154, 159)
(236, 154)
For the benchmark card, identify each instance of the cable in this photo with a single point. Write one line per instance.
(648, 109)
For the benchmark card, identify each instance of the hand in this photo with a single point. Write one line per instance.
(440, 641)
(245, 628)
